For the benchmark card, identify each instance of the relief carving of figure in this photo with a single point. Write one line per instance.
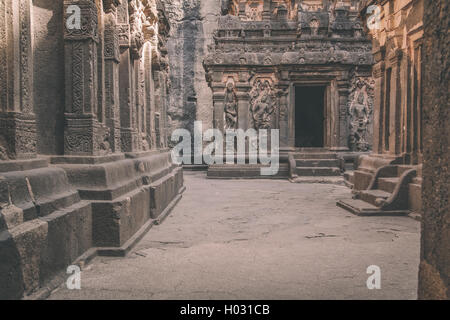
(254, 10)
(314, 24)
(137, 18)
(360, 112)
(262, 105)
(230, 107)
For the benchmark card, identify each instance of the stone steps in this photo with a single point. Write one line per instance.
(362, 208)
(372, 196)
(401, 169)
(388, 184)
(318, 171)
(315, 155)
(317, 163)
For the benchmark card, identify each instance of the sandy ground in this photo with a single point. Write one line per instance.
(253, 239)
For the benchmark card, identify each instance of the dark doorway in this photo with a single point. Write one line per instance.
(309, 117)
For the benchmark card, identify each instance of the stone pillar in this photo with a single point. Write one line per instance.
(283, 93)
(149, 107)
(343, 91)
(83, 134)
(378, 115)
(395, 103)
(417, 146)
(218, 113)
(266, 10)
(128, 133)
(242, 13)
(243, 100)
(101, 62)
(158, 103)
(112, 58)
(139, 88)
(17, 118)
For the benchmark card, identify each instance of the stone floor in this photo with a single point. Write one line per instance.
(255, 239)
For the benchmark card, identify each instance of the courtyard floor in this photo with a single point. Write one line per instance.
(254, 239)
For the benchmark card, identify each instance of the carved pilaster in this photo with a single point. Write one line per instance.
(128, 131)
(112, 58)
(17, 119)
(283, 96)
(83, 135)
(343, 91)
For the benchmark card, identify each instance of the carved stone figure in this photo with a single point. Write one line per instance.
(254, 10)
(137, 18)
(230, 107)
(360, 112)
(262, 105)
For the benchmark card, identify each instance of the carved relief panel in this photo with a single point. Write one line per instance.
(262, 104)
(254, 10)
(360, 112)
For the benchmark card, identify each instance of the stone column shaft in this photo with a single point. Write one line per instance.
(395, 127)
(378, 123)
(112, 58)
(17, 118)
(129, 138)
(342, 130)
(83, 135)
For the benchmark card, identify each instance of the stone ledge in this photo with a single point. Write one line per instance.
(85, 159)
(23, 165)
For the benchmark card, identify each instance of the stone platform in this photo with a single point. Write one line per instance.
(79, 207)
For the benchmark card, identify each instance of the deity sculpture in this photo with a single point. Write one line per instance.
(262, 108)
(360, 113)
(230, 107)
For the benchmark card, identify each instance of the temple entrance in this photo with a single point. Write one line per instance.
(309, 117)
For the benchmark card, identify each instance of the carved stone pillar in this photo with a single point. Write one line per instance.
(218, 113)
(343, 89)
(83, 135)
(128, 133)
(283, 94)
(395, 128)
(243, 100)
(378, 74)
(149, 106)
(266, 10)
(17, 118)
(112, 58)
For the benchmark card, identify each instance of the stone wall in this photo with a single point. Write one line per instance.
(193, 22)
(435, 252)
(48, 74)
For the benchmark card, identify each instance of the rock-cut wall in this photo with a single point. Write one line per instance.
(192, 24)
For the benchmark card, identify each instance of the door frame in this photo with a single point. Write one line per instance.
(329, 110)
